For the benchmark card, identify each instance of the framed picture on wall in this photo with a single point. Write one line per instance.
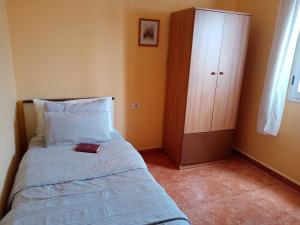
(148, 32)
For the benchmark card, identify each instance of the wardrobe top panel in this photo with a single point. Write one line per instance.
(222, 11)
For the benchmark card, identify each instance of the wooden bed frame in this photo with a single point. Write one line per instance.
(27, 120)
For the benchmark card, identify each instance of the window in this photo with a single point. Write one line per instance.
(294, 90)
(279, 68)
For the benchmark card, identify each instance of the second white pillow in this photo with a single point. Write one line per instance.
(64, 128)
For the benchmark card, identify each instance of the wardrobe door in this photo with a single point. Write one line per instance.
(234, 46)
(207, 39)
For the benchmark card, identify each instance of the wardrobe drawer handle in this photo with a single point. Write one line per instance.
(221, 73)
(213, 73)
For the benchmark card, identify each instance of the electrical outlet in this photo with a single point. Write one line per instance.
(135, 105)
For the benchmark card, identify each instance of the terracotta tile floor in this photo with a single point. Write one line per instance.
(230, 192)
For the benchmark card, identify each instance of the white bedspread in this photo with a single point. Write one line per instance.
(56, 186)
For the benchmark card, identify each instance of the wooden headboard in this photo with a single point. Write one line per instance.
(27, 118)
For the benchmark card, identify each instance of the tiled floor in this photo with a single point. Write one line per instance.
(230, 192)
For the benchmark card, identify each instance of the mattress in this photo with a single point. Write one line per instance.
(56, 185)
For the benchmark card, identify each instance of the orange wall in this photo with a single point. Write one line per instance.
(281, 153)
(72, 48)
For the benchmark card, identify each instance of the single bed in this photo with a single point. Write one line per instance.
(57, 186)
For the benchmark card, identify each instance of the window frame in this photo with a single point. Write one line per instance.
(294, 84)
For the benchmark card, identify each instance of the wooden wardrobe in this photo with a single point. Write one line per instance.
(207, 51)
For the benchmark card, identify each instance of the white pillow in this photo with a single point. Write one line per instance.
(64, 128)
(39, 106)
(93, 106)
(109, 107)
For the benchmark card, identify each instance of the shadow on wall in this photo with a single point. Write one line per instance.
(11, 172)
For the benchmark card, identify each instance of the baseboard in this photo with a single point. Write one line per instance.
(146, 150)
(283, 178)
(183, 167)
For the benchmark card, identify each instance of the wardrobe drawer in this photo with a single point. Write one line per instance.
(206, 147)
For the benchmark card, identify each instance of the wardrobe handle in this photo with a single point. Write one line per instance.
(213, 73)
(221, 73)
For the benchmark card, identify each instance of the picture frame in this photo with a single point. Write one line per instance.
(148, 32)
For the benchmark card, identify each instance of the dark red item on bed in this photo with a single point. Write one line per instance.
(90, 148)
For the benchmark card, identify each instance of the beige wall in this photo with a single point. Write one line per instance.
(282, 153)
(7, 111)
(72, 48)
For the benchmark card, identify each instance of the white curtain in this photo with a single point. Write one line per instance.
(279, 67)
